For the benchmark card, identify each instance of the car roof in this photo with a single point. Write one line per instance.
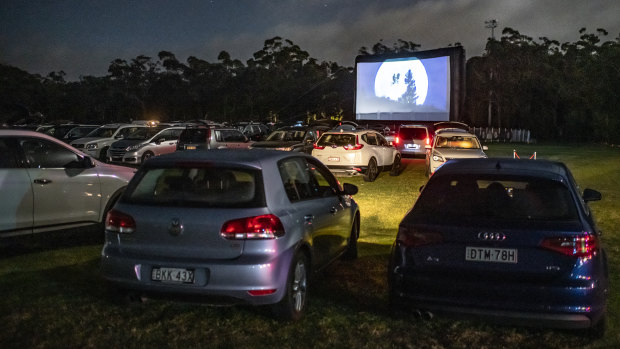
(543, 168)
(353, 132)
(248, 157)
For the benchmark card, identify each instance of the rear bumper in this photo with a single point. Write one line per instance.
(347, 169)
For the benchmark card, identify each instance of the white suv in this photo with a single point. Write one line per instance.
(452, 143)
(97, 142)
(364, 152)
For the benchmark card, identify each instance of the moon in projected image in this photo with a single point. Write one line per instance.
(387, 86)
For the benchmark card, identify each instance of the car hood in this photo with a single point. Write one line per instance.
(456, 153)
(275, 144)
(124, 143)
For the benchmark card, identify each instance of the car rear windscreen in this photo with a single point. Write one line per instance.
(194, 136)
(490, 197)
(418, 133)
(337, 139)
(197, 187)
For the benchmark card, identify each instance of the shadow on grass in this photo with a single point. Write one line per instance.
(25, 244)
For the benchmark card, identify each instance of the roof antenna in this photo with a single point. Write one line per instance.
(498, 166)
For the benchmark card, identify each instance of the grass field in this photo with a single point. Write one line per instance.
(56, 298)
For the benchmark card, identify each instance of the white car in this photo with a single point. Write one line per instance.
(97, 142)
(135, 148)
(452, 143)
(48, 185)
(355, 152)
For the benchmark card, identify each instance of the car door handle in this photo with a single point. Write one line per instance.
(42, 181)
(308, 218)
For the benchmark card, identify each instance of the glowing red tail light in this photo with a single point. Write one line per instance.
(577, 246)
(357, 145)
(318, 147)
(414, 237)
(396, 140)
(427, 140)
(119, 222)
(252, 228)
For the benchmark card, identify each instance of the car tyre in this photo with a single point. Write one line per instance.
(293, 304)
(103, 154)
(372, 171)
(147, 155)
(395, 171)
(351, 252)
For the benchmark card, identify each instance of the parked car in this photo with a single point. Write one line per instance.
(412, 140)
(48, 185)
(452, 143)
(356, 152)
(57, 131)
(78, 132)
(97, 142)
(249, 225)
(205, 137)
(143, 144)
(513, 240)
(255, 132)
(292, 138)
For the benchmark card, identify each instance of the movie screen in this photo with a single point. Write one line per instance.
(403, 89)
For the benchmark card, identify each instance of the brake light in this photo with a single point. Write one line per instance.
(119, 222)
(576, 246)
(252, 228)
(414, 237)
(396, 140)
(318, 147)
(357, 145)
(427, 140)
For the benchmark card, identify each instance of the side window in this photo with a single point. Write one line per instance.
(372, 139)
(295, 178)
(325, 183)
(44, 154)
(8, 157)
(382, 141)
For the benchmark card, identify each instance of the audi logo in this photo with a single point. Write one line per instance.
(491, 236)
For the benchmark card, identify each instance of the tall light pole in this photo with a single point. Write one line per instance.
(491, 24)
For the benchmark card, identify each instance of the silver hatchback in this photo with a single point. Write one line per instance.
(250, 225)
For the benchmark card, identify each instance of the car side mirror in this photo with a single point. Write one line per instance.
(591, 195)
(349, 189)
(82, 162)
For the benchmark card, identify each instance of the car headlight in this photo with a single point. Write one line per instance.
(91, 146)
(437, 157)
(135, 147)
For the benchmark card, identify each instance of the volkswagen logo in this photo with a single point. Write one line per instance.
(491, 236)
(176, 227)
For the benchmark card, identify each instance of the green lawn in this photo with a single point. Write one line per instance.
(55, 298)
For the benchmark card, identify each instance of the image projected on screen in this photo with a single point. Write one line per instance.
(404, 89)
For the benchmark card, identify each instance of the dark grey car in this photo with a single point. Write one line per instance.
(246, 224)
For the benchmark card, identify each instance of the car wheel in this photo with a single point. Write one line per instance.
(293, 304)
(372, 171)
(146, 156)
(395, 166)
(103, 154)
(351, 252)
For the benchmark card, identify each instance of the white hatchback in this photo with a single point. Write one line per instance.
(452, 143)
(364, 152)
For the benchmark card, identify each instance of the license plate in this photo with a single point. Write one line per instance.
(412, 146)
(485, 254)
(173, 275)
(190, 147)
(333, 158)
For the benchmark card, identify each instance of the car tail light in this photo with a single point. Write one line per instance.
(427, 140)
(577, 246)
(262, 292)
(252, 228)
(318, 147)
(119, 222)
(414, 237)
(396, 140)
(357, 145)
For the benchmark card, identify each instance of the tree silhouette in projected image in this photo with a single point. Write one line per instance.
(410, 96)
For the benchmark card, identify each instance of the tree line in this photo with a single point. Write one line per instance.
(560, 91)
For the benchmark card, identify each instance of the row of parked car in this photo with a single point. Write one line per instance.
(508, 239)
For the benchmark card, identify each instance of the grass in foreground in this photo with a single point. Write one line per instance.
(56, 298)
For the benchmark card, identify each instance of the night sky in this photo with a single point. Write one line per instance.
(82, 37)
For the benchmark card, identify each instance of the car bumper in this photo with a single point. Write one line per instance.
(213, 278)
(349, 170)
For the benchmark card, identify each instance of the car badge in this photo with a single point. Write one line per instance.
(491, 236)
(176, 227)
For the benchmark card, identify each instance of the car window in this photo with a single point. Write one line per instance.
(41, 153)
(8, 158)
(324, 181)
(194, 135)
(337, 139)
(303, 180)
(418, 133)
(382, 141)
(371, 138)
(458, 142)
(229, 136)
(124, 132)
(197, 187)
(170, 135)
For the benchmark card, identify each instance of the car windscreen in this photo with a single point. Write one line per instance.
(418, 133)
(196, 186)
(102, 132)
(337, 139)
(143, 133)
(493, 197)
(457, 142)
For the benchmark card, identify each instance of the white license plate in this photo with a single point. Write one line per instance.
(173, 275)
(333, 158)
(412, 146)
(485, 254)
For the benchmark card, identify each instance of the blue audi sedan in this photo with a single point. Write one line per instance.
(511, 240)
(246, 225)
